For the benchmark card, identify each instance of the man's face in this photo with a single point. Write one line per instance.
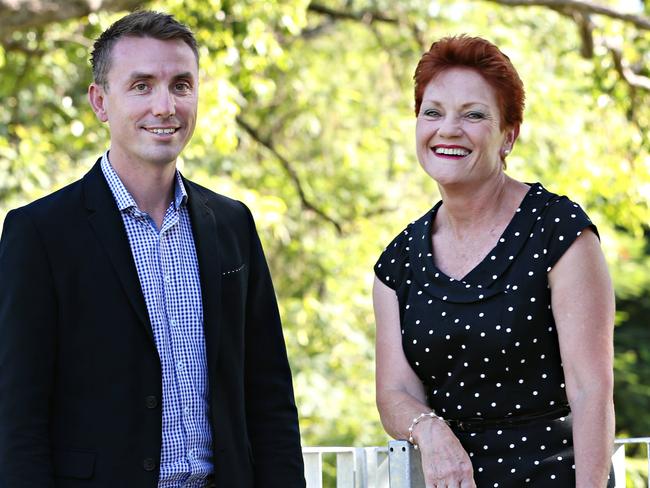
(150, 101)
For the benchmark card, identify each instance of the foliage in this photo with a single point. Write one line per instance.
(307, 116)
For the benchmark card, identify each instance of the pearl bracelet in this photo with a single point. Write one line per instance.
(417, 420)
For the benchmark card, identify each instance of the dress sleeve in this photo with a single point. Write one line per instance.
(391, 266)
(563, 223)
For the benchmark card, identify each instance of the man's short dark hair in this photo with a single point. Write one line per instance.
(143, 23)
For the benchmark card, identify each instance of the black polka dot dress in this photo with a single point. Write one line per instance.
(486, 345)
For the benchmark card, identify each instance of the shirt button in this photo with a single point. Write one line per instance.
(149, 464)
(151, 401)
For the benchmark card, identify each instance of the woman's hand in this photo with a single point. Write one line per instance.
(445, 463)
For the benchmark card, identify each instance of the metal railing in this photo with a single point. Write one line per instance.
(398, 465)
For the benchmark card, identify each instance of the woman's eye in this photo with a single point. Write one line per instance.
(475, 115)
(431, 113)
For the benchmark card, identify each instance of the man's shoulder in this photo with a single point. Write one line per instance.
(61, 201)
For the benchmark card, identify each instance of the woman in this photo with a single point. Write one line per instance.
(495, 309)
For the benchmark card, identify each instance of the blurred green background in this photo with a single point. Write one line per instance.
(306, 114)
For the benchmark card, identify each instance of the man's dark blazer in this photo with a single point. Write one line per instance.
(80, 376)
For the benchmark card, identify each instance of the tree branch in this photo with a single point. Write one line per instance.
(365, 16)
(291, 172)
(633, 79)
(19, 15)
(584, 7)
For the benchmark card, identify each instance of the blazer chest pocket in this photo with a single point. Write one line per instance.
(234, 287)
(72, 463)
(233, 271)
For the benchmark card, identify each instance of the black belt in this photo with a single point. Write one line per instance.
(478, 424)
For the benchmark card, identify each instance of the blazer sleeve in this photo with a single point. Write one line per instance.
(271, 413)
(28, 313)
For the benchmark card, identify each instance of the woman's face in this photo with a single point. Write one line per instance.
(457, 130)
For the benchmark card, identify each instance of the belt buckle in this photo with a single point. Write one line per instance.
(471, 425)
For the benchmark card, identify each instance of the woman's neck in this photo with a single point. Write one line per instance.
(472, 209)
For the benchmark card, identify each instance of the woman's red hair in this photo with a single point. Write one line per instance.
(484, 57)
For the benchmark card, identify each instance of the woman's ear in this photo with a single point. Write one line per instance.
(511, 136)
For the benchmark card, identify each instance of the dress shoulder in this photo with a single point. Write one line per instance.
(563, 221)
(393, 264)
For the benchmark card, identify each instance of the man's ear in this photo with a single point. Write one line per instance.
(96, 97)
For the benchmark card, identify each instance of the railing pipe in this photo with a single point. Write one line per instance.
(399, 466)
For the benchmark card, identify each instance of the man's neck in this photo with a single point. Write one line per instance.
(152, 187)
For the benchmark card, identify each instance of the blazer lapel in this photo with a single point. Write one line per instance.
(205, 230)
(105, 219)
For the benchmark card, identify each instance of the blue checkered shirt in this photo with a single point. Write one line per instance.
(169, 276)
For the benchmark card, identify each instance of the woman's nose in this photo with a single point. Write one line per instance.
(449, 126)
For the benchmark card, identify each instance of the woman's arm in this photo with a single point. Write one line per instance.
(401, 398)
(583, 307)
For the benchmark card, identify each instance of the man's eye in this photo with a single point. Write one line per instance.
(140, 87)
(182, 87)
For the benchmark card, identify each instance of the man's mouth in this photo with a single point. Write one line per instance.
(161, 131)
(451, 151)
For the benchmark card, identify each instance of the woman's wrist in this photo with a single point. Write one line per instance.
(425, 416)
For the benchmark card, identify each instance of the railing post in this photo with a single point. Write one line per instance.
(376, 467)
(618, 462)
(313, 469)
(405, 468)
(345, 469)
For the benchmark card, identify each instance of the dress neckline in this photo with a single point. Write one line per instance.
(484, 279)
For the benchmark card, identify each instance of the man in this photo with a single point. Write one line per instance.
(140, 341)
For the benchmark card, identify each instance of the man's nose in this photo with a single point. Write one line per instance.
(164, 104)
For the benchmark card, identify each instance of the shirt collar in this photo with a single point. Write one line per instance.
(125, 200)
